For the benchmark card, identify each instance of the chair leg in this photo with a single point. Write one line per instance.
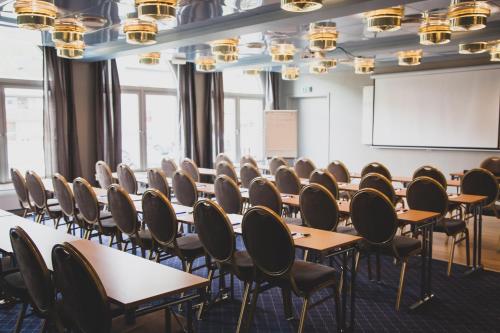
(253, 305)
(244, 303)
(286, 295)
(306, 254)
(467, 246)
(452, 253)
(377, 260)
(208, 291)
(20, 318)
(303, 315)
(401, 284)
(368, 263)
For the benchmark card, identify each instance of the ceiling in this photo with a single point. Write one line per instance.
(259, 21)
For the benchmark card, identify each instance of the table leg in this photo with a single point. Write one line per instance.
(353, 284)
(426, 270)
(168, 320)
(344, 290)
(477, 240)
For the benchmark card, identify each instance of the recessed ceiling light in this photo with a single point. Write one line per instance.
(468, 15)
(387, 19)
(301, 5)
(409, 58)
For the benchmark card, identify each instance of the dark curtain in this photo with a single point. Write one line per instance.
(271, 86)
(201, 101)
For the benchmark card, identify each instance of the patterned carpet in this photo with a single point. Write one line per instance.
(462, 304)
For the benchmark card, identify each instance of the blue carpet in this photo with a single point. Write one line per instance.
(462, 304)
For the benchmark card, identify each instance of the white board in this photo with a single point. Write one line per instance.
(281, 133)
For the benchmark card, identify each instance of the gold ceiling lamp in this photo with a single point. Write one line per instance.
(227, 58)
(73, 50)
(301, 5)
(68, 30)
(282, 52)
(140, 32)
(205, 64)
(495, 51)
(152, 58)
(434, 30)
(252, 71)
(35, 14)
(387, 19)
(468, 15)
(317, 68)
(290, 72)
(162, 10)
(225, 50)
(323, 36)
(473, 48)
(364, 65)
(409, 58)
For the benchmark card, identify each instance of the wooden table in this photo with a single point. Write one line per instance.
(453, 182)
(49, 186)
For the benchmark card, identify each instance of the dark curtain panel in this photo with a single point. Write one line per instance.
(271, 86)
(201, 100)
(108, 113)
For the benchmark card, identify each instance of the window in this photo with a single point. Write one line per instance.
(131, 146)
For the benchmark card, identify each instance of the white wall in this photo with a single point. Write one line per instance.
(346, 92)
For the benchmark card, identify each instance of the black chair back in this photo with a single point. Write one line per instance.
(20, 187)
(188, 166)
(275, 163)
(380, 183)
(287, 180)
(222, 157)
(492, 164)
(226, 168)
(268, 241)
(248, 172)
(159, 216)
(184, 188)
(318, 207)
(304, 167)
(264, 193)
(339, 171)
(325, 178)
(169, 166)
(103, 174)
(431, 172)
(126, 178)
(36, 189)
(373, 216)
(481, 182)
(64, 195)
(228, 194)
(123, 210)
(214, 230)
(376, 167)
(248, 159)
(158, 180)
(86, 200)
(84, 296)
(426, 193)
(34, 271)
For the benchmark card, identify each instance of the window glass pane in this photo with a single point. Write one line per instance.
(24, 114)
(130, 131)
(21, 55)
(230, 127)
(236, 82)
(162, 126)
(134, 74)
(252, 127)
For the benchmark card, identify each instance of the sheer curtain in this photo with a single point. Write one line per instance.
(271, 86)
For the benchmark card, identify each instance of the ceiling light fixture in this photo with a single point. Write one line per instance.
(468, 15)
(35, 14)
(473, 48)
(364, 65)
(140, 32)
(205, 64)
(162, 10)
(73, 50)
(227, 58)
(252, 71)
(68, 30)
(323, 36)
(152, 58)
(317, 68)
(434, 30)
(226, 50)
(495, 51)
(282, 52)
(301, 5)
(290, 72)
(409, 58)
(387, 19)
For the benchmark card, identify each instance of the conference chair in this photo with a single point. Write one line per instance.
(339, 171)
(64, 195)
(226, 168)
(188, 166)
(376, 167)
(304, 167)
(103, 174)
(125, 216)
(248, 159)
(126, 178)
(482, 182)
(184, 188)
(375, 219)
(96, 219)
(425, 193)
(219, 241)
(287, 180)
(223, 157)
(492, 164)
(86, 303)
(41, 203)
(275, 163)
(21, 192)
(326, 179)
(158, 180)
(248, 172)
(271, 247)
(228, 195)
(380, 183)
(318, 207)
(169, 166)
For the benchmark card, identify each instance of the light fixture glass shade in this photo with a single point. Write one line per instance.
(68, 30)
(328, 63)
(225, 46)
(317, 68)
(140, 32)
(290, 72)
(468, 15)
(205, 63)
(162, 10)
(282, 52)
(387, 19)
(227, 58)
(252, 71)
(495, 51)
(434, 30)
(364, 65)
(152, 58)
(409, 58)
(301, 5)
(70, 51)
(473, 48)
(35, 14)
(323, 36)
